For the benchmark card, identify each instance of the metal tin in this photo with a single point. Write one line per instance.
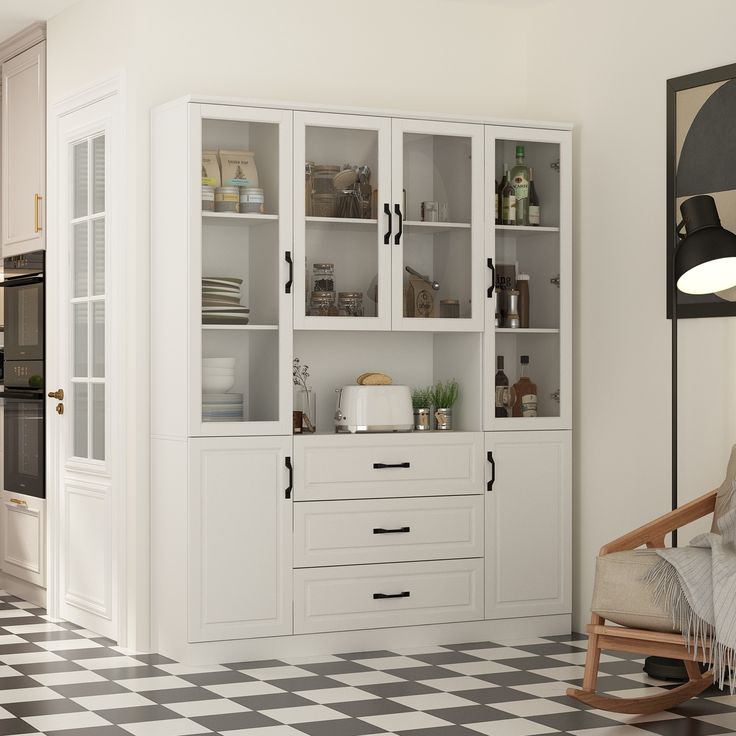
(251, 200)
(208, 198)
(443, 419)
(450, 308)
(226, 199)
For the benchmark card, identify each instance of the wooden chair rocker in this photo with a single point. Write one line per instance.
(640, 624)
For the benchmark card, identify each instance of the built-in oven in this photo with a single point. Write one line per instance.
(24, 306)
(24, 422)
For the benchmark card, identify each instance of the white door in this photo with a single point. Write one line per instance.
(24, 151)
(437, 254)
(240, 538)
(84, 351)
(528, 524)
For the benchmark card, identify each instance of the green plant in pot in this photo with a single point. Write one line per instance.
(421, 400)
(444, 395)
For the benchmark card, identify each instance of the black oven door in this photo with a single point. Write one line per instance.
(25, 467)
(24, 318)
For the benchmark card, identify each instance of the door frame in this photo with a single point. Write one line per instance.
(111, 89)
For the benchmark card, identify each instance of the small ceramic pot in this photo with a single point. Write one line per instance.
(443, 419)
(422, 420)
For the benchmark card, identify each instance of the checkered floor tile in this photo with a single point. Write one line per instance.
(60, 680)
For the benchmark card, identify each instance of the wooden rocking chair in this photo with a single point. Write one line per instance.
(641, 640)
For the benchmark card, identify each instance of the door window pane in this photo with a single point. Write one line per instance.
(79, 412)
(80, 312)
(98, 339)
(80, 269)
(81, 175)
(98, 174)
(98, 257)
(98, 421)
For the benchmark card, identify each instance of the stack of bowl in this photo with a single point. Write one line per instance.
(218, 404)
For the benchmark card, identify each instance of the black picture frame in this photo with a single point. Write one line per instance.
(716, 113)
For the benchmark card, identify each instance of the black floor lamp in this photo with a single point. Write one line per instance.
(704, 263)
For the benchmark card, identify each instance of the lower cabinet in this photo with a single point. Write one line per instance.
(240, 538)
(23, 528)
(528, 524)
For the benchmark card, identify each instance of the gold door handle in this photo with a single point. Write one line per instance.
(19, 501)
(60, 409)
(58, 395)
(36, 214)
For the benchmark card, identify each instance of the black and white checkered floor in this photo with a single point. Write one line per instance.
(58, 679)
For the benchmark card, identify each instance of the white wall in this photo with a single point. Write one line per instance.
(604, 66)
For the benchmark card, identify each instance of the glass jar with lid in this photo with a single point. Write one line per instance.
(323, 277)
(322, 304)
(350, 304)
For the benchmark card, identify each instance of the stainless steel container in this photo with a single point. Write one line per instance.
(443, 419)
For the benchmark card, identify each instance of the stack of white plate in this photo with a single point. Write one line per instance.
(221, 301)
(218, 404)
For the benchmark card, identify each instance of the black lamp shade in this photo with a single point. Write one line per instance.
(705, 261)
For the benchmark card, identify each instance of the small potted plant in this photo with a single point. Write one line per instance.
(422, 403)
(444, 394)
(306, 402)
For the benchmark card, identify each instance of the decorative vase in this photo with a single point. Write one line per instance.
(443, 418)
(422, 420)
(306, 403)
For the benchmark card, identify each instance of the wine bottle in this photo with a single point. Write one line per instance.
(498, 211)
(534, 209)
(525, 393)
(502, 389)
(508, 202)
(519, 179)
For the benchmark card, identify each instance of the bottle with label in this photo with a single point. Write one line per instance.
(502, 389)
(522, 286)
(525, 393)
(519, 178)
(534, 208)
(498, 211)
(508, 202)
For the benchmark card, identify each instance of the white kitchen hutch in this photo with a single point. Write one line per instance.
(266, 542)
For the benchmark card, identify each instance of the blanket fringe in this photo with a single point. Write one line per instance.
(698, 634)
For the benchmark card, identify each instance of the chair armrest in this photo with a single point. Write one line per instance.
(653, 533)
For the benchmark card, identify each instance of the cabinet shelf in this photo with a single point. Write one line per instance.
(525, 229)
(336, 221)
(435, 227)
(251, 218)
(529, 330)
(254, 328)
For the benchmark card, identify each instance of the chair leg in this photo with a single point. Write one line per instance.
(592, 658)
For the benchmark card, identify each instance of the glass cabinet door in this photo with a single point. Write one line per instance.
(528, 249)
(242, 272)
(437, 259)
(342, 197)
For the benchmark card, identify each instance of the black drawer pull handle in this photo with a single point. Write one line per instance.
(400, 530)
(381, 466)
(381, 596)
(493, 277)
(387, 210)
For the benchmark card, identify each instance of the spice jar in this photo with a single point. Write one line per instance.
(323, 277)
(251, 200)
(208, 198)
(226, 199)
(350, 303)
(322, 304)
(450, 308)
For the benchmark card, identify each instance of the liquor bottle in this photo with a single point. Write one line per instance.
(519, 179)
(498, 211)
(534, 210)
(525, 393)
(502, 389)
(508, 202)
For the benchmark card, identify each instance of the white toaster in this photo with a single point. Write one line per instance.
(374, 409)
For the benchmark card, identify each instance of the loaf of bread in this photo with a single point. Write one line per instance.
(374, 379)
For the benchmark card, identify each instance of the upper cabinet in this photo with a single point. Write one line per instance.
(388, 229)
(24, 152)
(528, 321)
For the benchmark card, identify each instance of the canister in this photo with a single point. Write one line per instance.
(450, 308)
(208, 198)
(251, 200)
(226, 199)
(350, 303)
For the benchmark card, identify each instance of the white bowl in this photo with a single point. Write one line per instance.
(218, 371)
(219, 362)
(217, 384)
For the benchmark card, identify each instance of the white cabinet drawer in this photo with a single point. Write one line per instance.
(387, 530)
(383, 466)
(375, 596)
(23, 530)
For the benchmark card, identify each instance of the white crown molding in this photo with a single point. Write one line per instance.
(22, 40)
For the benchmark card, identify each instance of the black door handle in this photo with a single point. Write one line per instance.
(381, 596)
(400, 530)
(290, 468)
(381, 466)
(493, 470)
(387, 236)
(397, 237)
(287, 258)
(493, 277)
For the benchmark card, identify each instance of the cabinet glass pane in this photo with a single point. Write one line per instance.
(341, 257)
(242, 273)
(80, 414)
(98, 174)
(532, 252)
(80, 185)
(98, 421)
(437, 180)
(81, 259)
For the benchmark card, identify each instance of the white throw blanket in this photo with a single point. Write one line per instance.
(699, 584)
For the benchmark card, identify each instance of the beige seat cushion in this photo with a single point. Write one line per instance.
(620, 594)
